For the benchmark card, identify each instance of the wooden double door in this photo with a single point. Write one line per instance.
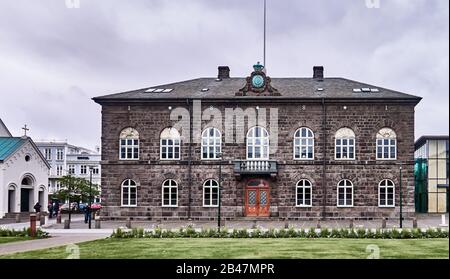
(257, 198)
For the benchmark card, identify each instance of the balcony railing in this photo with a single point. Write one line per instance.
(255, 167)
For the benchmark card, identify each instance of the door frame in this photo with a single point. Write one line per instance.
(262, 186)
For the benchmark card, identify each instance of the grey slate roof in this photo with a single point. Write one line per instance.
(290, 88)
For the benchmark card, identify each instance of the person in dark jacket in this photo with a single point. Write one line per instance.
(50, 210)
(37, 207)
(56, 209)
(87, 213)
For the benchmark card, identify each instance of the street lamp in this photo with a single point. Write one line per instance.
(219, 156)
(401, 197)
(90, 195)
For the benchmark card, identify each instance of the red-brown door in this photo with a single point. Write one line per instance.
(257, 198)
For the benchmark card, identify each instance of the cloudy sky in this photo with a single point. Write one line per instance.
(54, 59)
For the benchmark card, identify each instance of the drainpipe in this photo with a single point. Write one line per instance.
(324, 163)
(190, 158)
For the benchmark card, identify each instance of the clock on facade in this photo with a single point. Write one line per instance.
(258, 81)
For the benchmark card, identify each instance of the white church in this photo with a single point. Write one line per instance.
(23, 174)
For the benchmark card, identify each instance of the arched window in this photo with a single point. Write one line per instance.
(170, 144)
(211, 143)
(304, 144)
(345, 193)
(129, 144)
(210, 193)
(345, 144)
(257, 144)
(129, 193)
(303, 193)
(386, 144)
(170, 193)
(386, 193)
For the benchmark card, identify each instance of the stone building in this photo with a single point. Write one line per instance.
(296, 148)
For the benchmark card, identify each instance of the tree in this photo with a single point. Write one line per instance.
(75, 189)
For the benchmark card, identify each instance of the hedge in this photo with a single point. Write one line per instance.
(190, 232)
(25, 232)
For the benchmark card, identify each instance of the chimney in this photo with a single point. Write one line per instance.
(318, 72)
(224, 72)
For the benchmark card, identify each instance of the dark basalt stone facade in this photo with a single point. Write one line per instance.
(323, 105)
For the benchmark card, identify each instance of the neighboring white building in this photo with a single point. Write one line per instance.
(23, 174)
(67, 159)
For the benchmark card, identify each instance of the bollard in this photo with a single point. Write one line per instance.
(97, 223)
(42, 220)
(443, 223)
(383, 223)
(32, 225)
(18, 218)
(318, 224)
(58, 219)
(255, 225)
(415, 223)
(128, 225)
(66, 224)
(351, 224)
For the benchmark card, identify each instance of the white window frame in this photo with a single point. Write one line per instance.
(48, 154)
(173, 135)
(383, 184)
(126, 135)
(216, 143)
(345, 188)
(390, 135)
(129, 186)
(345, 134)
(251, 143)
(298, 137)
(303, 188)
(59, 170)
(60, 154)
(72, 169)
(210, 186)
(84, 169)
(172, 185)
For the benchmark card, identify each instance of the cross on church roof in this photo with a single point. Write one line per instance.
(25, 129)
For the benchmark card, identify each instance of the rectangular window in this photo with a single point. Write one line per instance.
(170, 196)
(95, 170)
(60, 154)
(344, 149)
(71, 169)
(211, 196)
(386, 149)
(48, 154)
(83, 169)
(345, 196)
(129, 149)
(59, 170)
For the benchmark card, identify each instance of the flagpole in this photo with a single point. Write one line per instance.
(264, 48)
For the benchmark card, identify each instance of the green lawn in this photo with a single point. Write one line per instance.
(8, 239)
(247, 249)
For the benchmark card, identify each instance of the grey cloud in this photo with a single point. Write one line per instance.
(54, 59)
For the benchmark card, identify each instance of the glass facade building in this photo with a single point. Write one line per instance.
(432, 174)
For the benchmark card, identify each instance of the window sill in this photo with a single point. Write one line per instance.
(344, 206)
(386, 206)
(169, 206)
(210, 206)
(303, 206)
(127, 206)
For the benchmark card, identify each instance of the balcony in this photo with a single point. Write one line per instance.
(261, 167)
